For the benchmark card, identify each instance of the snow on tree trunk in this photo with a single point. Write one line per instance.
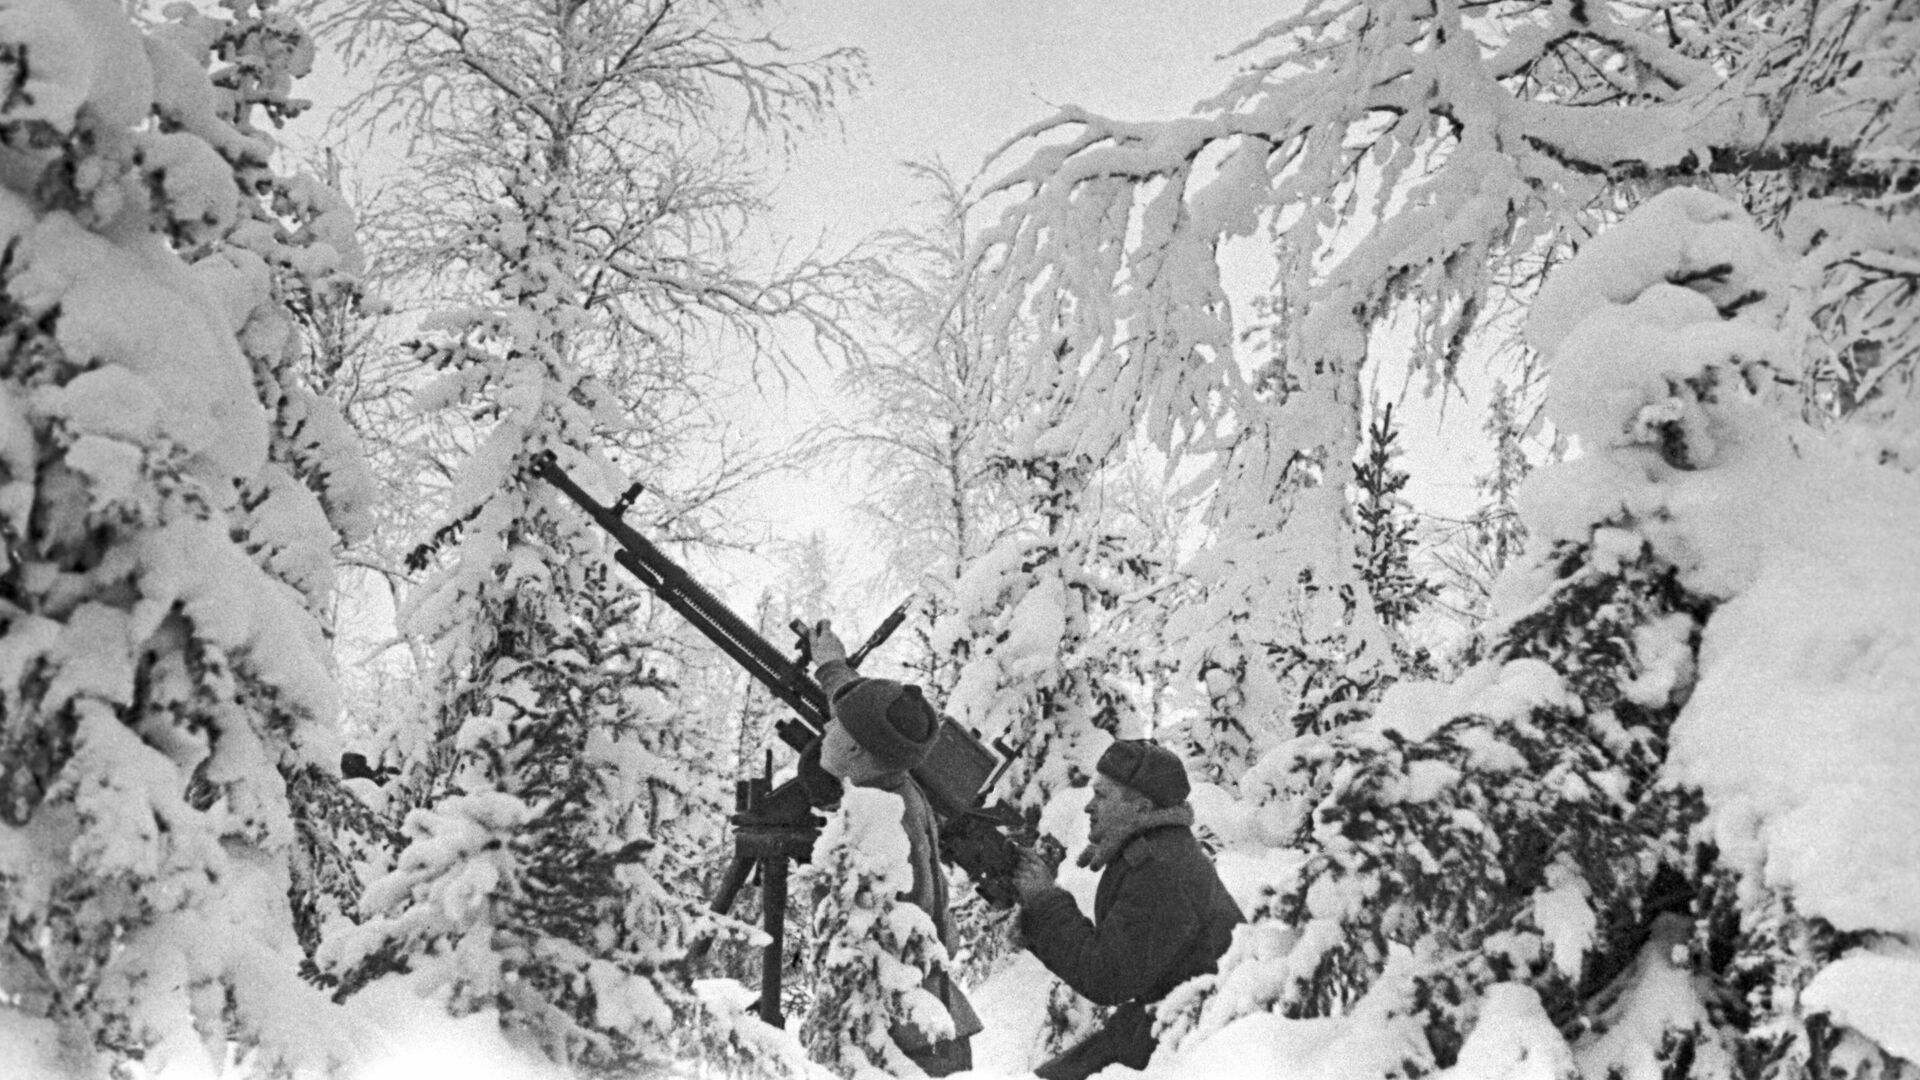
(1659, 827)
(873, 950)
(170, 493)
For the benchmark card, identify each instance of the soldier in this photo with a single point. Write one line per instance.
(1160, 916)
(880, 730)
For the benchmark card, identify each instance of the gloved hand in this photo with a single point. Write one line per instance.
(823, 644)
(1033, 876)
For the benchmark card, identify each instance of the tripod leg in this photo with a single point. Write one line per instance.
(730, 883)
(723, 899)
(773, 903)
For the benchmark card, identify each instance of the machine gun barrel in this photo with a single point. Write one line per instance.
(668, 580)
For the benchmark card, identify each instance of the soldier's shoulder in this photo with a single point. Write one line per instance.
(1166, 843)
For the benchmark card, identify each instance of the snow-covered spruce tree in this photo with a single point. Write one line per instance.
(871, 949)
(1049, 665)
(1613, 845)
(1386, 526)
(1254, 592)
(534, 881)
(1474, 552)
(1330, 676)
(300, 231)
(534, 885)
(170, 501)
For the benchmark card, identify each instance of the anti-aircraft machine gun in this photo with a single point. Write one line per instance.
(775, 824)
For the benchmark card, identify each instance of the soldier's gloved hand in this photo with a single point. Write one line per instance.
(823, 644)
(1033, 875)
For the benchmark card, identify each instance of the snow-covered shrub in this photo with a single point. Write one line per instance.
(532, 886)
(872, 949)
(1056, 655)
(1501, 827)
(1652, 830)
(170, 493)
(1015, 619)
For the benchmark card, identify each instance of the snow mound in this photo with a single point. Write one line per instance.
(1012, 1003)
(1876, 995)
(415, 1039)
(1512, 1040)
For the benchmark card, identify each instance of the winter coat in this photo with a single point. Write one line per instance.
(942, 1056)
(1160, 917)
(929, 893)
(929, 890)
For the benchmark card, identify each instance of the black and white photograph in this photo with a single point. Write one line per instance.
(998, 539)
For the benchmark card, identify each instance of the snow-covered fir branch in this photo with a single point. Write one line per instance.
(173, 498)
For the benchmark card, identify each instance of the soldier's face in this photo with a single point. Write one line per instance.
(846, 758)
(838, 752)
(1112, 800)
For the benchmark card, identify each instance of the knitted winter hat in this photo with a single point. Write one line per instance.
(889, 720)
(1148, 768)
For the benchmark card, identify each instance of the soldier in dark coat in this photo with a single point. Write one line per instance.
(1160, 917)
(880, 730)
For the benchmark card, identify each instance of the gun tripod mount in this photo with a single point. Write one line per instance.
(772, 827)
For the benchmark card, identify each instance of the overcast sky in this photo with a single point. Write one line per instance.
(953, 79)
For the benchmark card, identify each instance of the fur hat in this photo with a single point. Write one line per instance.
(1148, 768)
(889, 720)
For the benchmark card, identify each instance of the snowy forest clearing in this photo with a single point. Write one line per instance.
(1613, 779)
